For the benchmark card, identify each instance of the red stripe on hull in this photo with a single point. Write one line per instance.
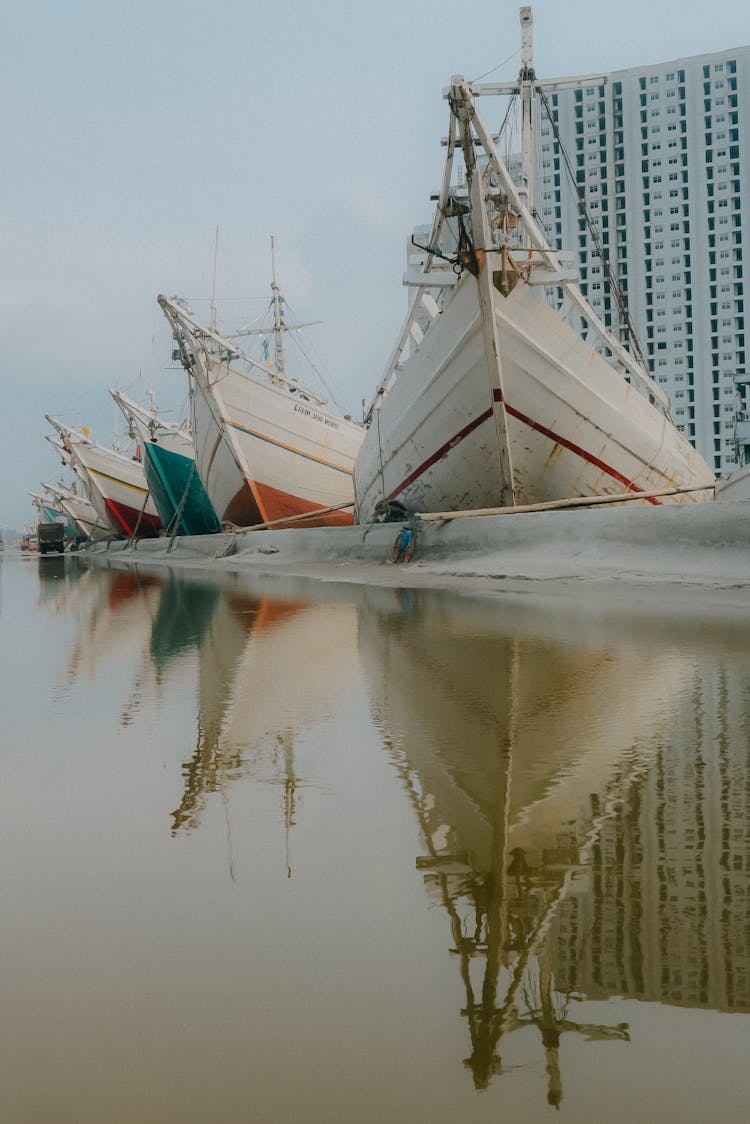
(468, 429)
(573, 448)
(440, 453)
(127, 518)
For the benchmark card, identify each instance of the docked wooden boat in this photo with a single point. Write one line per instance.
(116, 484)
(74, 501)
(82, 512)
(504, 386)
(268, 449)
(172, 476)
(50, 511)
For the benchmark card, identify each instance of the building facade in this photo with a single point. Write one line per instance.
(661, 156)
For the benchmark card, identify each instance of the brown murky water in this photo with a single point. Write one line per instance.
(288, 852)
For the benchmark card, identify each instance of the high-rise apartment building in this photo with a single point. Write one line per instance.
(661, 155)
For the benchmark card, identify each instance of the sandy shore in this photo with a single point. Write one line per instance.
(677, 558)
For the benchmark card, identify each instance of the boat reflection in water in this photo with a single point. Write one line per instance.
(182, 619)
(539, 769)
(581, 790)
(269, 670)
(114, 611)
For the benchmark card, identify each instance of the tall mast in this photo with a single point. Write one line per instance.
(278, 320)
(151, 395)
(526, 80)
(214, 310)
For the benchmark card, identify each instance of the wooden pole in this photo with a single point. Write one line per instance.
(556, 505)
(291, 519)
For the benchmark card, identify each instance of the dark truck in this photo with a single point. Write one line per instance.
(51, 537)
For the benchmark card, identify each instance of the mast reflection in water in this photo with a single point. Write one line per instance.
(368, 854)
(585, 813)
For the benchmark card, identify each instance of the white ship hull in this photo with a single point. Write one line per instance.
(118, 491)
(85, 517)
(575, 427)
(266, 453)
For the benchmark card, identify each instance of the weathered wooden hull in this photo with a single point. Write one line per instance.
(265, 453)
(575, 427)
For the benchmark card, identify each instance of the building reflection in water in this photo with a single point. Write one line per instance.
(583, 797)
(585, 814)
(665, 911)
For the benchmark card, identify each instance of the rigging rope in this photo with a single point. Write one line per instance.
(588, 218)
(494, 68)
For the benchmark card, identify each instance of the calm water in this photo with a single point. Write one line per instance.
(292, 853)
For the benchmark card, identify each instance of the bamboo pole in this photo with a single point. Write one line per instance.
(556, 505)
(290, 519)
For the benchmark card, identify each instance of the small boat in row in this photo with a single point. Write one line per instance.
(169, 464)
(81, 511)
(261, 448)
(116, 484)
(268, 449)
(51, 511)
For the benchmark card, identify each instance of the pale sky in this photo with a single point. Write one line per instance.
(130, 130)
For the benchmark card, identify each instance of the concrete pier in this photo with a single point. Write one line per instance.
(673, 554)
